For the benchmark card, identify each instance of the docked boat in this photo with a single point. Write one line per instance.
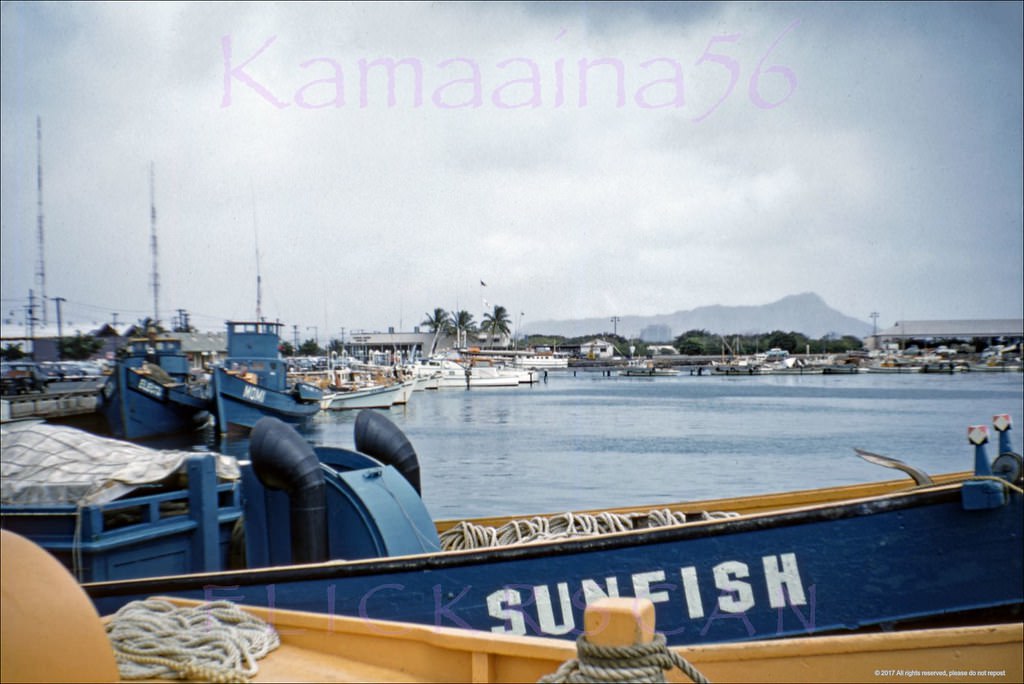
(253, 381)
(647, 369)
(269, 644)
(724, 570)
(375, 396)
(151, 391)
(359, 386)
(472, 373)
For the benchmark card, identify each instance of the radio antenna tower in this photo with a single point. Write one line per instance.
(152, 242)
(41, 266)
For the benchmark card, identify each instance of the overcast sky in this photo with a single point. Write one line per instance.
(870, 153)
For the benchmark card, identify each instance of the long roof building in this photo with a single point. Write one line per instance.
(1008, 329)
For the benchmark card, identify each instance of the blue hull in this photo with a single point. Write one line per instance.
(136, 407)
(241, 404)
(826, 568)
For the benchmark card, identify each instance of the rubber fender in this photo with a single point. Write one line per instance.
(283, 460)
(377, 436)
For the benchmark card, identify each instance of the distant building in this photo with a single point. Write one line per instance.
(394, 347)
(203, 349)
(597, 349)
(1010, 330)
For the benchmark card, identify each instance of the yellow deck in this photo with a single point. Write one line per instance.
(51, 632)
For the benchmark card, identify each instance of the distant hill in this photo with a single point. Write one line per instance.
(803, 313)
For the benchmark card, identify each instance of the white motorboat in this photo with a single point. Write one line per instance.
(379, 396)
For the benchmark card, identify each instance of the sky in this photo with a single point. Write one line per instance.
(373, 162)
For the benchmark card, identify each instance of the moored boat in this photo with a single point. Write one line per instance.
(725, 570)
(151, 391)
(647, 369)
(283, 645)
(376, 396)
(253, 381)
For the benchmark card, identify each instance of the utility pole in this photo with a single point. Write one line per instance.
(615, 324)
(31, 321)
(60, 326)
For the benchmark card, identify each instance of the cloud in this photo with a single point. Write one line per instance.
(869, 154)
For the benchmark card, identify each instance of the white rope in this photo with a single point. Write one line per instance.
(468, 535)
(215, 641)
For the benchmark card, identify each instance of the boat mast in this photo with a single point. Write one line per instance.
(259, 280)
(152, 242)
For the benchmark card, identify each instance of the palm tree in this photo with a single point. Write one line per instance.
(462, 322)
(497, 322)
(437, 321)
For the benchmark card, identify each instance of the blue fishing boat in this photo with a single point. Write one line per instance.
(253, 381)
(345, 532)
(151, 391)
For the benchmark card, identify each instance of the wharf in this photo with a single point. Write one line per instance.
(50, 404)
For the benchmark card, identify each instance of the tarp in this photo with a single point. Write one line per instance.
(50, 464)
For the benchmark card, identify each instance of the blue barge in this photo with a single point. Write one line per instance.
(150, 392)
(253, 381)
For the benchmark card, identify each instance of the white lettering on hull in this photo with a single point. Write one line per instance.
(151, 388)
(254, 393)
(781, 581)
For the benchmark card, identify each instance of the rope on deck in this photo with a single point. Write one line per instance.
(468, 535)
(215, 642)
(634, 663)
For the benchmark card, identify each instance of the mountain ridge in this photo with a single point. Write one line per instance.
(805, 313)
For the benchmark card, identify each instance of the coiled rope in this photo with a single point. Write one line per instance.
(634, 663)
(215, 642)
(468, 535)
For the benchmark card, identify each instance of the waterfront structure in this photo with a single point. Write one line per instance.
(1009, 329)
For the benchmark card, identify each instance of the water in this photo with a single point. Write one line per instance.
(589, 441)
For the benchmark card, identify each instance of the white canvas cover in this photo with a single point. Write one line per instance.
(52, 464)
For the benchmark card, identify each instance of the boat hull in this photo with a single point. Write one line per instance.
(137, 407)
(241, 404)
(831, 568)
(374, 397)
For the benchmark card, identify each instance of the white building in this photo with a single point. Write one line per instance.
(597, 349)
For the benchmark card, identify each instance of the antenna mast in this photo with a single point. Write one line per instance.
(152, 242)
(259, 280)
(41, 267)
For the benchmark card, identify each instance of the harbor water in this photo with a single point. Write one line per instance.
(589, 441)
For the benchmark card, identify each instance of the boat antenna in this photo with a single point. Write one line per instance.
(41, 266)
(152, 242)
(259, 279)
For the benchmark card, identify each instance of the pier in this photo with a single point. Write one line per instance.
(59, 404)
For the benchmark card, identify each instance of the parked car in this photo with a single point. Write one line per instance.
(22, 377)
